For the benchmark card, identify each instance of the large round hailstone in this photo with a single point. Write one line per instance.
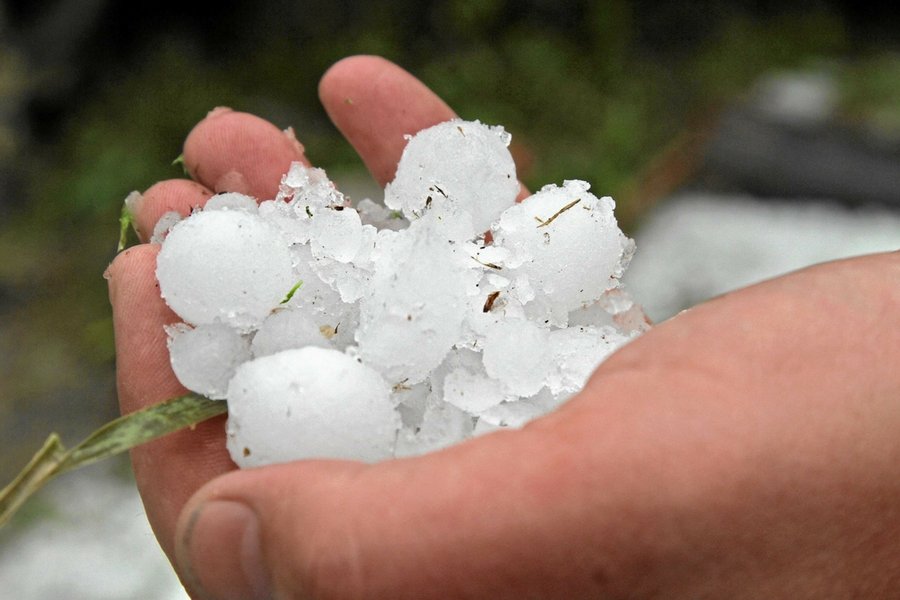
(455, 167)
(224, 266)
(309, 403)
(205, 357)
(566, 242)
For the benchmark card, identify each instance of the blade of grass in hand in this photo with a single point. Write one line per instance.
(115, 437)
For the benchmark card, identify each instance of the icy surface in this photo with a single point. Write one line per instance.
(232, 201)
(373, 332)
(564, 241)
(205, 357)
(453, 169)
(442, 425)
(164, 226)
(414, 311)
(329, 406)
(286, 329)
(224, 266)
(515, 354)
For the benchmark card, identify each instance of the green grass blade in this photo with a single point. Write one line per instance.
(126, 221)
(115, 437)
(291, 292)
(180, 161)
(40, 469)
(142, 426)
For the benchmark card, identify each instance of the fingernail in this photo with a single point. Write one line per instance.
(133, 202)
(219, 110)
(220, 555)
(232, 181)
(299, 148)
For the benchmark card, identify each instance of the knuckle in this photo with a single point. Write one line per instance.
(333, 566)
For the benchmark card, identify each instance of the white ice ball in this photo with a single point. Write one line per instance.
(205, 357)
(224, 266)
(309, 403)
(577, 352)
(566, 242)
(457, 167)
(442, 425)
(472, 392)
(232, 201)
(420, 293)
(288, 328)
(336, 233)
(516, 354)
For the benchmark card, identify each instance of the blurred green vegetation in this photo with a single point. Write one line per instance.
(585, 97)
(870, 90)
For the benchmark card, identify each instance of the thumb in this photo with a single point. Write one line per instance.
(256, 533)
(441, 525)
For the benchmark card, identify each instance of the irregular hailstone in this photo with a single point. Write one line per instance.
(516, 354)
(204, 358)
(350, 279)
(379, 216)
(164, 226)
(442, 425)
(337, 320)
(517, 413)
(566, 243)
(309, 403)
(472, 392)
(455, 169)
(411, 402)
(308, 188)
(421, 290)
(281, 215)
(285, 329)
(336, 234)
(314, 295)
(576, 352)
(224, 266)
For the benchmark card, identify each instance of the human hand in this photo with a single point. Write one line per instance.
(746, 448)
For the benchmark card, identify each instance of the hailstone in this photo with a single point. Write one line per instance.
(393, 330)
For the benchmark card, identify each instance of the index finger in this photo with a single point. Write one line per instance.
(232, 151)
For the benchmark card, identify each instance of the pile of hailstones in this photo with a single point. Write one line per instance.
(394, 330)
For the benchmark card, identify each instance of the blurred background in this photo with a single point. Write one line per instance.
(740, 140)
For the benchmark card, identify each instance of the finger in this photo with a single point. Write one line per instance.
(374, 103)
(178, 195)
(238, 152)
(169, 470)
(680, 471)
(438, 526)
(227, 151)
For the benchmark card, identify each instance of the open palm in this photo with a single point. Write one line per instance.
(748, 447)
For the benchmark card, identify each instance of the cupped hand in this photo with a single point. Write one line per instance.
(747, 448)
